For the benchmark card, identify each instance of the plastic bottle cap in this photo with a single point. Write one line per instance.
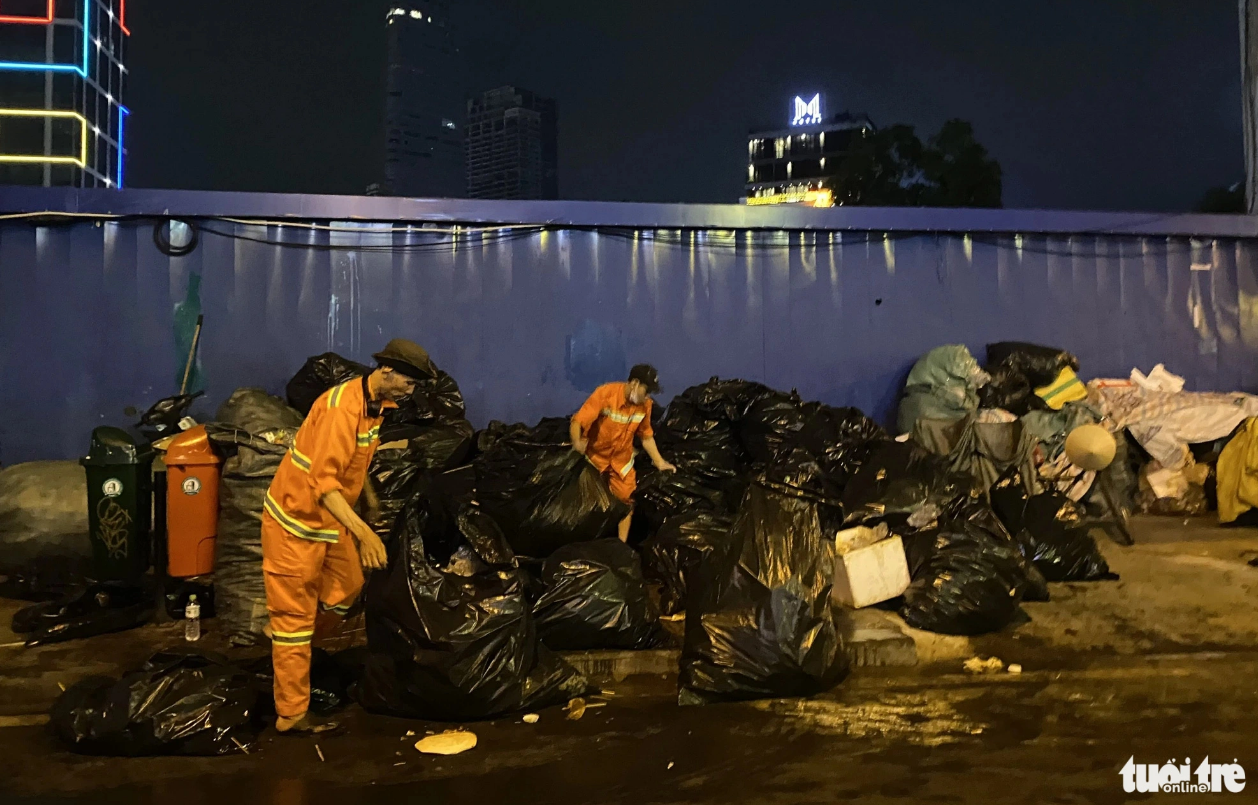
(192, 599)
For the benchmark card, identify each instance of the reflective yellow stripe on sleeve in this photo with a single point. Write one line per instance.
(295, 528)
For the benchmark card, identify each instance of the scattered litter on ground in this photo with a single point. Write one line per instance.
(978, 665)
(320, 751)
(403, 763)
(451, 742)
(1015, 668)
(671, 764)
(411, 733)
(575, 709)
(532, 718)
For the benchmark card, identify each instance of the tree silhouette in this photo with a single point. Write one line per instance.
(893, 168)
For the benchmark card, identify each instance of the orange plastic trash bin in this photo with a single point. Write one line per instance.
(192, 473)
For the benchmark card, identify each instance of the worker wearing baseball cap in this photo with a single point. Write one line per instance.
(313, 541)
(605, 427)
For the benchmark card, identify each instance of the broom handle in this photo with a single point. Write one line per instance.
(187, 369)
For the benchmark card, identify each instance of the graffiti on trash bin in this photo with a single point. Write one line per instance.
(113, 523)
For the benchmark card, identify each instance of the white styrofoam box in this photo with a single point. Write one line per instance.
(872, 574)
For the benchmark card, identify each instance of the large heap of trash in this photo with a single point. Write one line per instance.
(782, 514)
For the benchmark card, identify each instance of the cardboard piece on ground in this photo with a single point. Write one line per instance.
(872, 574)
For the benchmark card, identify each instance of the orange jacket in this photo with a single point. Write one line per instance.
(332, 452)
(610, 423)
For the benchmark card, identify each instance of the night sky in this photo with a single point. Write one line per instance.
(1087, 104)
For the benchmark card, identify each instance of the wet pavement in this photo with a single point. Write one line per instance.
(1045, 736)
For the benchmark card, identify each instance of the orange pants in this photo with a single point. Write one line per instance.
(304, 580)
(622, 488)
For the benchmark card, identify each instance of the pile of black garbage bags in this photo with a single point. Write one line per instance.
(503, 552)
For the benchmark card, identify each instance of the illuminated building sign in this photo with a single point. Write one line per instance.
(40, 66)
(27, 19)
(78, 159)
(807, 113)
(811, 198)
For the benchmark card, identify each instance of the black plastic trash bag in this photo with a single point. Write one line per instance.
(435, 401)
(1039, 365)
(1010, 390)
(841, 439)
(759, 622)
(771, 421)
(727, 400)
(678, 552)
(86, 611)
(596, 598)
(964, 581)
(45, 578)
(176, 704)
(664, 495)
(453, 638)
(317, 375)
(1048, 528)
(903, 485)
(163, 418)
(545, 496)
(1017, 369)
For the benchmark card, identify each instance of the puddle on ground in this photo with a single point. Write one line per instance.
(922, 718)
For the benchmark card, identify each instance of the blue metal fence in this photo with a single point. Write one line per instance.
(837, 304)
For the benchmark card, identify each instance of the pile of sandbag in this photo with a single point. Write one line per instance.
(252, 431)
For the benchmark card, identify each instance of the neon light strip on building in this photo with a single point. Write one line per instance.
(122, 127)
(80, 160)
(122, 17)
(38, 66)
(20, 20)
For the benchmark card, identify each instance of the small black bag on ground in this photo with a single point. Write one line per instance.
(85, 611)
(678, 552)
(965, 582)
(1049, 530)
(759, 622)
(450, 632)
(596, 598)
(176, 704)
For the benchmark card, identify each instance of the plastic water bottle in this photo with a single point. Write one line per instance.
(192, 620)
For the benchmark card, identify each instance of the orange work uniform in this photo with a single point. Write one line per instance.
(611, 423)
(309, 562)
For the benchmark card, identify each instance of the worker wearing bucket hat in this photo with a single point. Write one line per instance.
(314, 545)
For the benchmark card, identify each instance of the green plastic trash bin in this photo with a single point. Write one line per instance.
(119, 505)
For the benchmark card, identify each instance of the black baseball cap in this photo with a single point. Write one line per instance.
(408, 358)
(645, 374)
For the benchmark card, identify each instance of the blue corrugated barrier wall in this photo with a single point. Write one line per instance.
(529, 320)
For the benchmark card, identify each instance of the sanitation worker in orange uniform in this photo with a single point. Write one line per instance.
(312, 539)
(604, 429)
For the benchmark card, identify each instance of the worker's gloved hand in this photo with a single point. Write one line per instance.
(664, 466)
(580, 445)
